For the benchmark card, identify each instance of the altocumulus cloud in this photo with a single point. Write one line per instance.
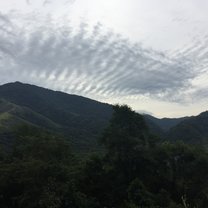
(93, 61)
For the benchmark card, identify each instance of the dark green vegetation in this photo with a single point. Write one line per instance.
(41, 131)
(136, 170)
(81, 118)
(193, 130)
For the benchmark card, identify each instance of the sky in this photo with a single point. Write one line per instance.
(149, 54)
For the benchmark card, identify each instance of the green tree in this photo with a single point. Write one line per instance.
(38, 173)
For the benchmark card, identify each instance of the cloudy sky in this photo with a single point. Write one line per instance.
(149, 54)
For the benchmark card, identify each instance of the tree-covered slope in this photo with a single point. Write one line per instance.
(193, 130)
(134, 171)
(77, 117)
(137, 171)
(12, 115)
(81, 119)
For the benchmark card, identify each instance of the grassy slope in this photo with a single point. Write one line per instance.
(12, 115)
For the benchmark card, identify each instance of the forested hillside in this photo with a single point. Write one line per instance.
(193, 130)
(135, 170)
(78, 118)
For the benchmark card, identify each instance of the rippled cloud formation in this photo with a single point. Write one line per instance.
(94, 61)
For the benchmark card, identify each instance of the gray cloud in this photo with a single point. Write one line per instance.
(94, 62)
(200, 94)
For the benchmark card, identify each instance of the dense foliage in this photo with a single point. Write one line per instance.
(136, 170)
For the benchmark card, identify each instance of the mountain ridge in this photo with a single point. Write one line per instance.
(193, 130)
(80, 118)
(83, 119)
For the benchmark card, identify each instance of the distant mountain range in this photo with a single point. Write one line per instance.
(193, 130)
(164, 124)
(80, 119)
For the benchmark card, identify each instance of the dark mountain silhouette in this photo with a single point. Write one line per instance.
(193, 130)
(164, 124)
(79, 118)
(153, 126)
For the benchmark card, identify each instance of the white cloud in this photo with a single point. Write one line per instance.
(85, 57)
(94, 62)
